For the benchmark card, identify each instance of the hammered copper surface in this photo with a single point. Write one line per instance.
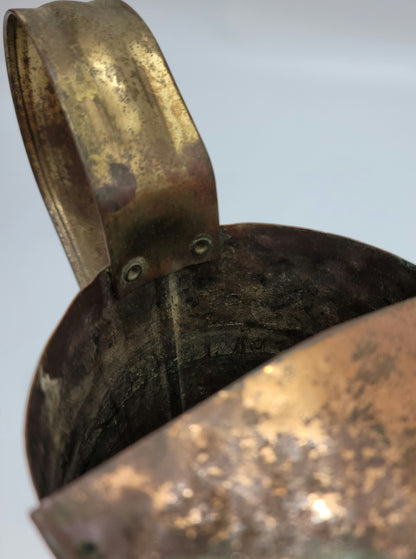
(309, 456)
(118, 160)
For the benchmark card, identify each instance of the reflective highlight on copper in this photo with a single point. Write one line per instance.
(311, 455)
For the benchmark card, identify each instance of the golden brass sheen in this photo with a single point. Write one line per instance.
(117, 157)
(310, 456)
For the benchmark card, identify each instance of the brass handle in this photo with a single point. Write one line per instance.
(118, 160)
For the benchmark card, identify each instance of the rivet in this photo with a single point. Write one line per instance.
(134, 272)
(201, 246)
(87, 549)
(134, 269)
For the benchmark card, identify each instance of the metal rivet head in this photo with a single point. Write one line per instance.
(201, 246)
(134, 272)
(87, 549)
(134, 269)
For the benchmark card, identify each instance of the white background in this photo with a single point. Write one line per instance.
(308, 111)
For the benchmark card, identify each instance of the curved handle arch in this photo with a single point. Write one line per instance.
(118, 160)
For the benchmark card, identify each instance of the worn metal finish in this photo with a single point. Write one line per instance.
(118, 160)
(310, 456)
(118, 368)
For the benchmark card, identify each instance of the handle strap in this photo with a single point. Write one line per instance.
(118, 160)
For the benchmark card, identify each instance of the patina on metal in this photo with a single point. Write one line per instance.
(118, 368)
(119, 162)
(309, 456)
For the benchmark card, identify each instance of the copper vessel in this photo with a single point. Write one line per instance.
(310, 455)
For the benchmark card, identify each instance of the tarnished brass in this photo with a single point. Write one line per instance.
(118, 160)
(310, 456)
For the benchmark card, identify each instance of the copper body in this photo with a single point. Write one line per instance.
(307, 456)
